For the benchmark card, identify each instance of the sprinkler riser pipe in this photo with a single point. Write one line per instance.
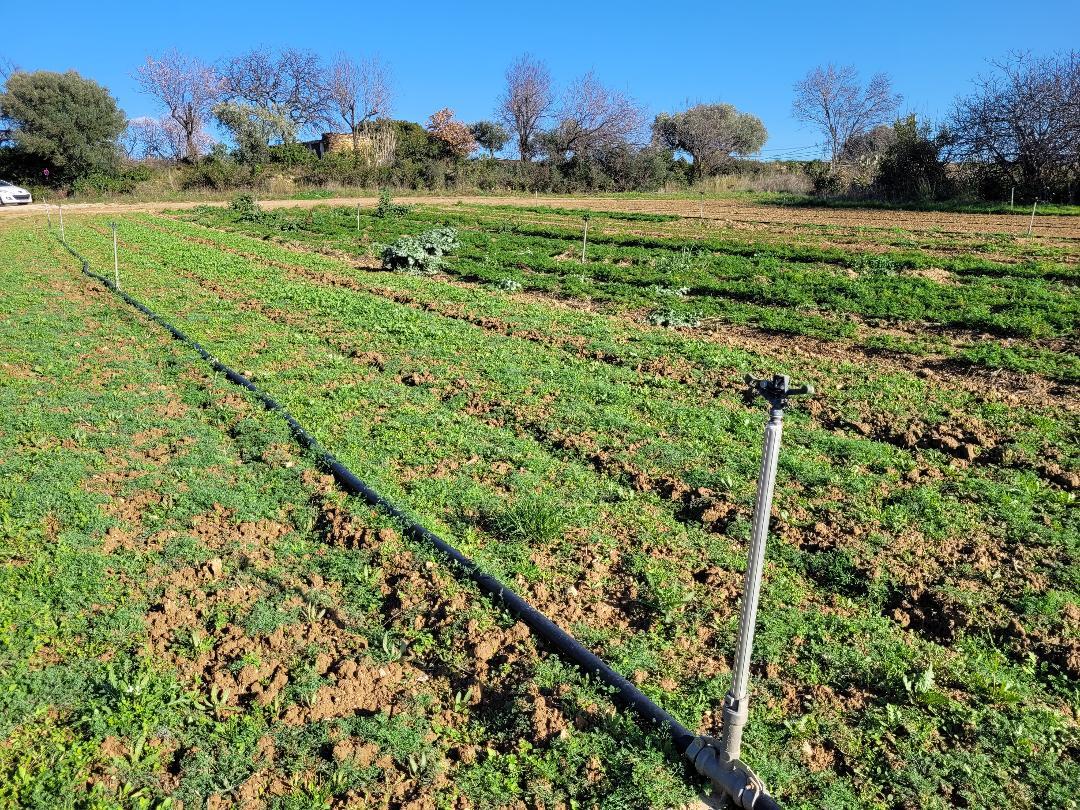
(736, 708)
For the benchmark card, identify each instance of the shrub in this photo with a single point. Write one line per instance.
(824, 180)
(216, 173)
(105, 183)
(911, 166)
(291, 154)
(387, 208)
(246, 209)
(420, 254)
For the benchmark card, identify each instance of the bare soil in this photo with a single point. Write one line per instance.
(723, 213)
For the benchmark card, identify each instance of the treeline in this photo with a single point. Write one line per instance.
(1017, 133)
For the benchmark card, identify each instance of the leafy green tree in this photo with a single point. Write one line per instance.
(62, 122)
(253, 128)
(490, 135)
(711, 134)
(911, 167)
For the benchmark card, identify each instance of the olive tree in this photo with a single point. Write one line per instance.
(490, 136)
(62, 122)
(253, 127)
(712, 134)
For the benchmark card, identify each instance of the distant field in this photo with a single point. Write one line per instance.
(190, 610)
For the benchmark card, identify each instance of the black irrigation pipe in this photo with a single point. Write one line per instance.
(567, 646)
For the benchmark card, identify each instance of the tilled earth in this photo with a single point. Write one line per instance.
(920, 613)
(249, 637)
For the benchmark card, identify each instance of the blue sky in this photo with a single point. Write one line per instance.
(455, 54)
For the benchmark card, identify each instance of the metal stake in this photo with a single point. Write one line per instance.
(1031, 224)
(584, 238)
(115, 258)
(1012, 196)
(719, 759)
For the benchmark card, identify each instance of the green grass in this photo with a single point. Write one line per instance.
(949, 206)
(606, 470)
(826, 293)
(160, 538)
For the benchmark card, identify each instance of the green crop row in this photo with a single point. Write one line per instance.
(824, 293)
(474, 429)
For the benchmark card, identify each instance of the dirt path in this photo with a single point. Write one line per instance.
(727, 212)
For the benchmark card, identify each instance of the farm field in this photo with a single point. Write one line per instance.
(191, 612)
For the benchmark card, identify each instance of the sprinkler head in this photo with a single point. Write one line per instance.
(776, 390)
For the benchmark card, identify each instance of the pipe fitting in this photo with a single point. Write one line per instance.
(735, 714)
(732, 778)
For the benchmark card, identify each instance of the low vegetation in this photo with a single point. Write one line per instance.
(577, 427)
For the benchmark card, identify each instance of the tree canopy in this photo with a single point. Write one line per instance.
(712, 134)
(1021, 125)
(63, 123)
(490, 135)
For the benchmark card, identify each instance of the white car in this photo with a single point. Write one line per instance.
(13, 195)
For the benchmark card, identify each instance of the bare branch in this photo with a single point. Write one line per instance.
(160, 138)
(594, 118)
(286, 86)
(188, 89)
(526, 102)
(358, 92)
(1023, 122)
(832, 99)
(7, 67)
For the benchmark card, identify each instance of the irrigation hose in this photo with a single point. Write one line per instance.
(566, 645)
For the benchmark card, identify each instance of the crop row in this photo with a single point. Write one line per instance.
(798, 290)
(646, 530)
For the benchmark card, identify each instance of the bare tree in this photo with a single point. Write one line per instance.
(160, 138)
(526, 102)
(711, 134)
(833, 99)
(358, 93)
(593, 118)
(1022, 123)
(286, 86)
(188, 89)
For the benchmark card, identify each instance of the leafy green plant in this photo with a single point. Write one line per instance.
(246, 209)
(421, 254)
(387, 208)
(674, 319)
